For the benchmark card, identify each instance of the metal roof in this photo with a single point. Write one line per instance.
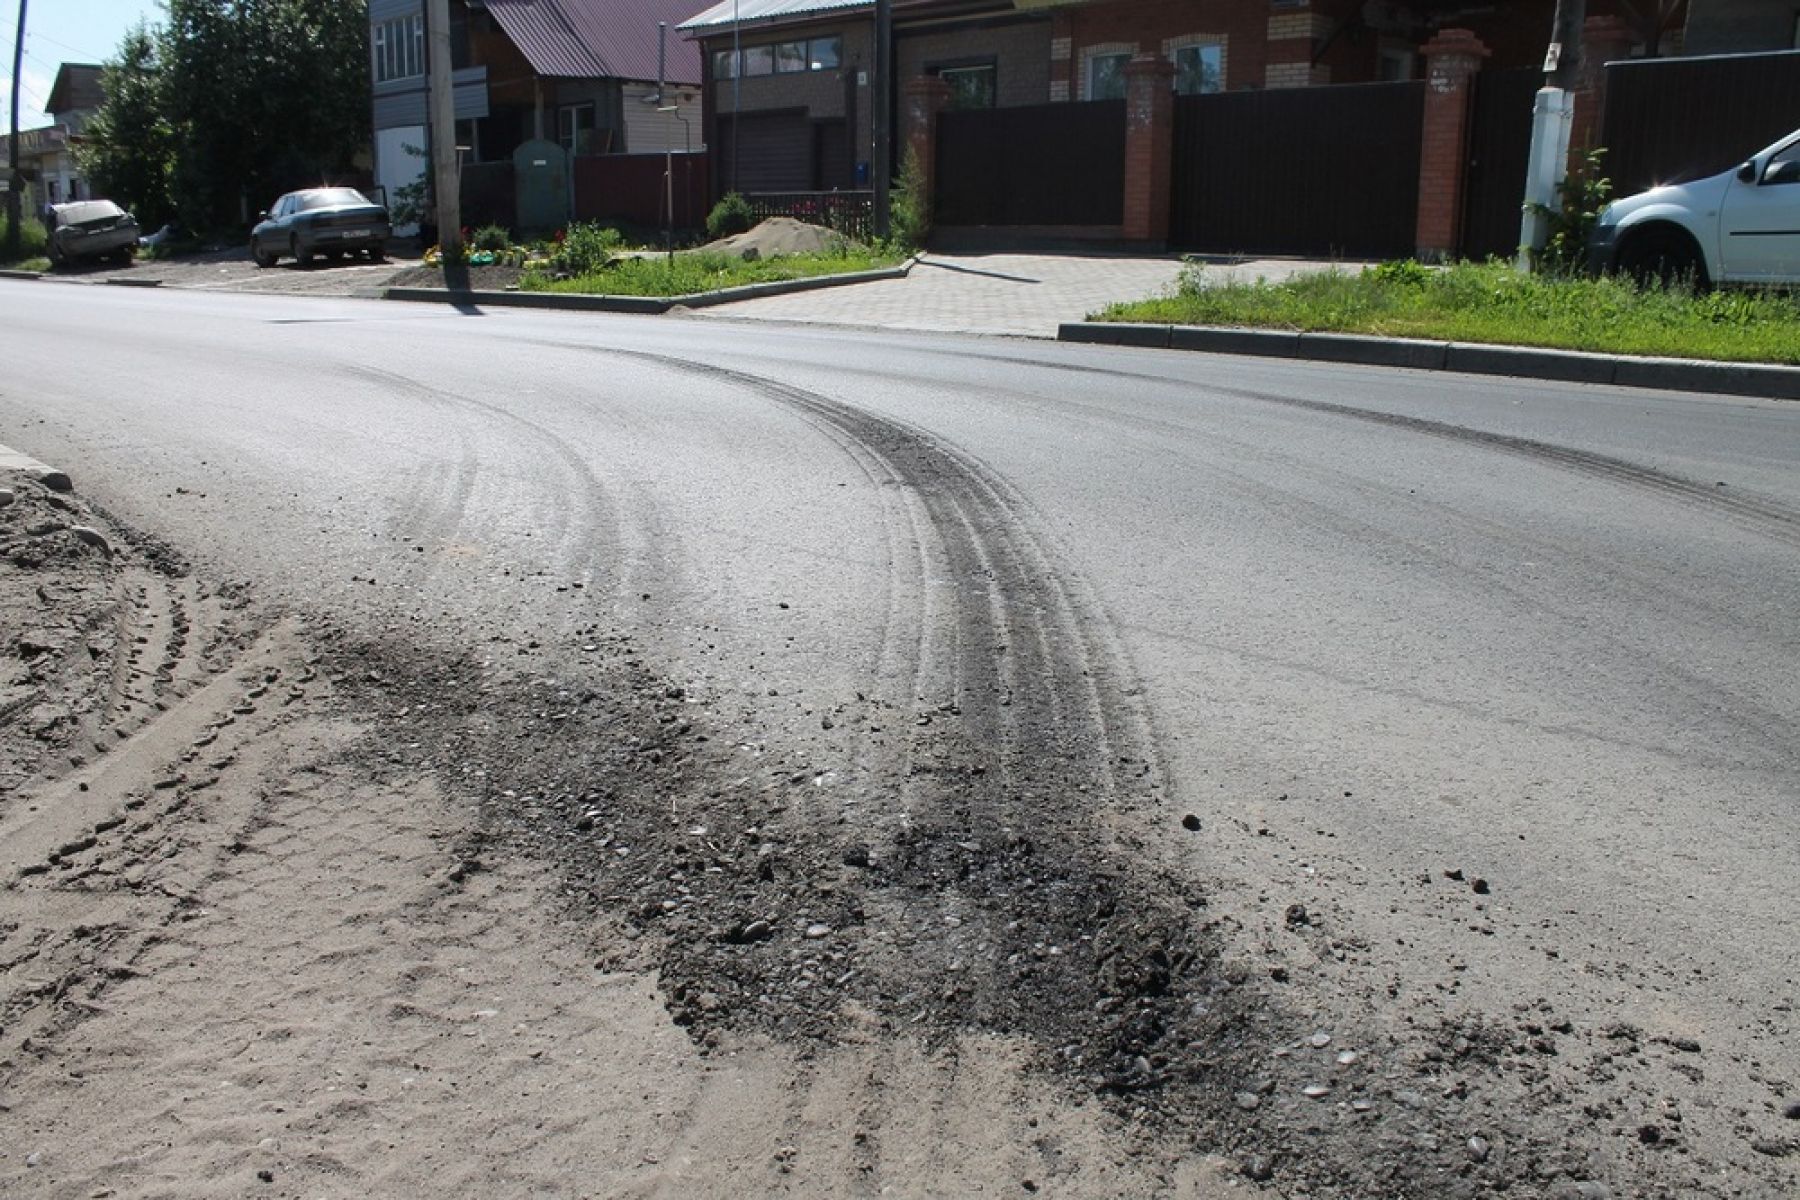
(764, 11)
(586, 39)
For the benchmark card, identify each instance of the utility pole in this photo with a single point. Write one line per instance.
(1552, 116)
(881, 112)
(12, 147)
(444, 173)
(1562, 65)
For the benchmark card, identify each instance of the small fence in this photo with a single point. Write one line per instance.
(850, 213)
(631, 188)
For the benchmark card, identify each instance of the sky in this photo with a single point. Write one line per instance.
(59, 31)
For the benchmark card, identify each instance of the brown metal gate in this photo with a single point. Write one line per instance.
(1330, 171)
(1499, 150)
(1675, 119)
(1046, 164)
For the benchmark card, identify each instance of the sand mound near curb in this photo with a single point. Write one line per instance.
(779, 235)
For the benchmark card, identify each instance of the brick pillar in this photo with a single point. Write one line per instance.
(1149, 143)
(1603, 40)
(921, 100)
(1451, 60)
(1294, 34)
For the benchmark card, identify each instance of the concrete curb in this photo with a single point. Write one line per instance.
(9, 273)
(50, 477)
(645, 304)
(1519, 362)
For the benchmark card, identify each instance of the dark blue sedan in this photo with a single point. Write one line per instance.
(334, 221)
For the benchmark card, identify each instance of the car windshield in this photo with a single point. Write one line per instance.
(88, 211)
(329, 198)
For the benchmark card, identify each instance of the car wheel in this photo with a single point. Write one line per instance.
(301, 258)
(377, 253)
(1664, 258)
(261, 257)
(54, 254)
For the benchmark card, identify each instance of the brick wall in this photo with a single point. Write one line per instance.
(1021, 50)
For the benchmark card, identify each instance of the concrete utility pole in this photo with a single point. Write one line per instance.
(13, 181)
(1551, 118)
(444, 175)
(881, 112)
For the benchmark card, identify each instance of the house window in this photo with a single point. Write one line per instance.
(724, 65)
(970, 87)
(575, 127)
(790, 57)
(1199, 68)
(759, 60)
(399, 48)
(1105, 76)
(824, 53)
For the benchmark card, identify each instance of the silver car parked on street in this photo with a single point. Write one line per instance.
(332, 220)
(90, 229)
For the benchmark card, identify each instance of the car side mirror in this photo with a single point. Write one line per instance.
(1747, 172)
(263, 215)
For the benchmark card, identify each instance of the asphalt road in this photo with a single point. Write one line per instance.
(1381, 625)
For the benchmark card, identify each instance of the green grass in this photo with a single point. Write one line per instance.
(1492, 302)
(704, 272)
(31, 245)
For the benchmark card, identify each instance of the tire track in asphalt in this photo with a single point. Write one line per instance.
(1018, 654)
(591, 505)
(1769, 517)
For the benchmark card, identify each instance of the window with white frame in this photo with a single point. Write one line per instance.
(1103, 72)
(575, 128)
(1199, 68)
(399, 48)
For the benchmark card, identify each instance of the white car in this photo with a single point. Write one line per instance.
(1741, 226)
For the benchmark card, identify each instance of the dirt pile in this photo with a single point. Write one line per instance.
(777, 236)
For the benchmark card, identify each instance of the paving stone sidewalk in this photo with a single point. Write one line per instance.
(1026, 295)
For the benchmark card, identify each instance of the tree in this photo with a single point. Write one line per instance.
(128, 149)
(264, 96)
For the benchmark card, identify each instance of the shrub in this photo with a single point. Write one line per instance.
(32, 239)
(587, 248)
(1405, 272)
(493, 238)
(909, 210)
(730, 215)
(1580, 197)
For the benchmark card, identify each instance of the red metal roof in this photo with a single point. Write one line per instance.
(583, 39)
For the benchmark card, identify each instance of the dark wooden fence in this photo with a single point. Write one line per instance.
(1499, 150)
(1675, 119)
(630, 188)
(1329, 171)
(1046, 164)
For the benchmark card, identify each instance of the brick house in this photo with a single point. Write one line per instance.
(803, 80)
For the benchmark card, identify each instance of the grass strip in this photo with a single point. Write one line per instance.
(32, 245)
(704, 272)
(1491, 302)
